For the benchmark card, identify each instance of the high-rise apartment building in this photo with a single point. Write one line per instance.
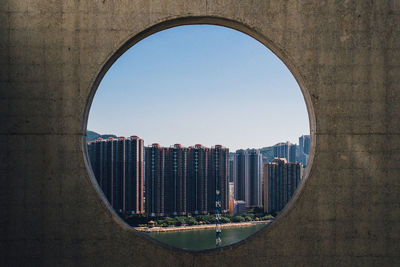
(198, 160)
(134, 174)
(119, 174)
(183, 180)
(280, 182)
(241, 161)
(232, 168)
(304, 147)
(248, 182)
(232, 178)
(218, 178)
(231, 197)
(155, 180)
(117, 164)
(96, 157)
(107, 167)
(285, 150)
(176, 180)
(254, 183)
(179, 180)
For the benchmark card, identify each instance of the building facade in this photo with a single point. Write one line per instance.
(181, 181)
(155, 180)
(248, 182)
(304, 149)
(117, 164)
(175, 180)
(241, 163)
(280, 182)
(218, 178)
(285, 150)
(239, 207)
(198, 160)
(254, 183)
(134, 174)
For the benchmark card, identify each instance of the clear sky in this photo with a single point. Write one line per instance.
(200, 85)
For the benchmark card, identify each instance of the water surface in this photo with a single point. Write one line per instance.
(204, 239)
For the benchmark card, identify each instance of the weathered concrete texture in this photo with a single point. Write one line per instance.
(346, 57)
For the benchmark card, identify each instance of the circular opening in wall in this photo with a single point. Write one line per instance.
(198, 136)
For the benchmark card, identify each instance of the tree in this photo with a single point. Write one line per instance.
(248, 218)
(170, 221)
(159, 222)
(206, 219)
(180, 220)
(267, 217)
(225, 220)
(237, 218)
(191, 221)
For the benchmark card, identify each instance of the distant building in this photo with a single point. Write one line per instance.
(241, 161)
(232, 178)
(117, 164)
(178, 180)
(231, 197)
(175, 180)
(232, 168)
(280, 182)
(155, 179)
(266, 159)
(304, 149)
(119, 173)
(239, 207)
(285, 150)
(182, 181)
(198, 159)
(254, 183)
(248, 183)
(134, 170)
(218, 170)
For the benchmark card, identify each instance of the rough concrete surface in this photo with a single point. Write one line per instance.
(346, 57)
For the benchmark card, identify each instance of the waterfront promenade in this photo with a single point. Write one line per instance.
(198, 227)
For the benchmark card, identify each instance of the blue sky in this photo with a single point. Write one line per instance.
(200, 84)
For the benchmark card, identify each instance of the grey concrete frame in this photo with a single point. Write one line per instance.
(345, 53)
(198, 21)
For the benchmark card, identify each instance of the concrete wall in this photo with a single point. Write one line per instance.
(346, 57)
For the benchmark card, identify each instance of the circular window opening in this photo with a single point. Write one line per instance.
(198, 136)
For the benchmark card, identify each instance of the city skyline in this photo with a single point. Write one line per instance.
(200, 84)
(150, 143)
(179, 180)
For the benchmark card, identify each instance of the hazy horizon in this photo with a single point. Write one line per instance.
(200, 85)
(148, 144)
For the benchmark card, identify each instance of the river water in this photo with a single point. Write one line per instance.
(205, 239)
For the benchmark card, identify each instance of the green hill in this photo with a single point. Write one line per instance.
(91, 136)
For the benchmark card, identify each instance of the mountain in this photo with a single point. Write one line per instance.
(91, 136)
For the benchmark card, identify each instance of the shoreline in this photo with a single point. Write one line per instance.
(199, 227)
